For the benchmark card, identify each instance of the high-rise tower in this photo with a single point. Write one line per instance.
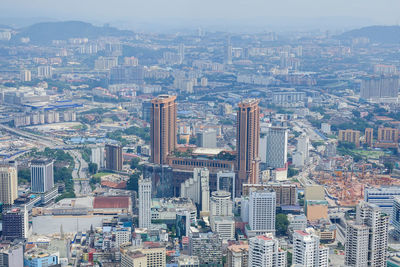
(247, 142)
(114, 157)
(8, 184)
(144, 203)
(42, 175)
(163, 127)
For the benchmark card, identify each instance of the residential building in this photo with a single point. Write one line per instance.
(144, 203)
(369, 136)
(387, 137)
(289, 98)
(357, 237)
(307, 250)
(371, 216)
(42, 175)
(163, 128)
(207, 247)
(350, 136)
(238, 255)
(378, 88)
(264, 251)
(44, 72)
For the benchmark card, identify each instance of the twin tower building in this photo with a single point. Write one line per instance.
(164, 136)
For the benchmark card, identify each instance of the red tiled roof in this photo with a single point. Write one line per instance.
(111, 202)
(111, 184)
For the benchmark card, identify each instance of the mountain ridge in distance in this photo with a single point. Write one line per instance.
(377, 34)
(45, 32)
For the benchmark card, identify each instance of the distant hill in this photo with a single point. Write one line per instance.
(45, 32)
(378, 34)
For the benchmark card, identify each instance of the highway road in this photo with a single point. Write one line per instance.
(80, 174)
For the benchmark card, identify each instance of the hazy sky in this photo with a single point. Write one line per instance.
(205, 11)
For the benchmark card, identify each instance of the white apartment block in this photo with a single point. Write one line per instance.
(264, 251)
(307, 250)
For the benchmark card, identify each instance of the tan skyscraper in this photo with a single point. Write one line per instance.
(247, 142)
(163, 128)
(8, 184)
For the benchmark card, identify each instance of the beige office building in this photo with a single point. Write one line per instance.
(8, 184)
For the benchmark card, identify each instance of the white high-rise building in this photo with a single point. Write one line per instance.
(264, 251)
(307, 250)
(377, 223)
(144, 203)
(45, 72)
(303, 146)
(8, 184)
(221, 215)
(42, 175)
(262, 209)
(97, 156)
(221, 204)
(198, 189)
(207, 138)
(357, 237)
(275, 145)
